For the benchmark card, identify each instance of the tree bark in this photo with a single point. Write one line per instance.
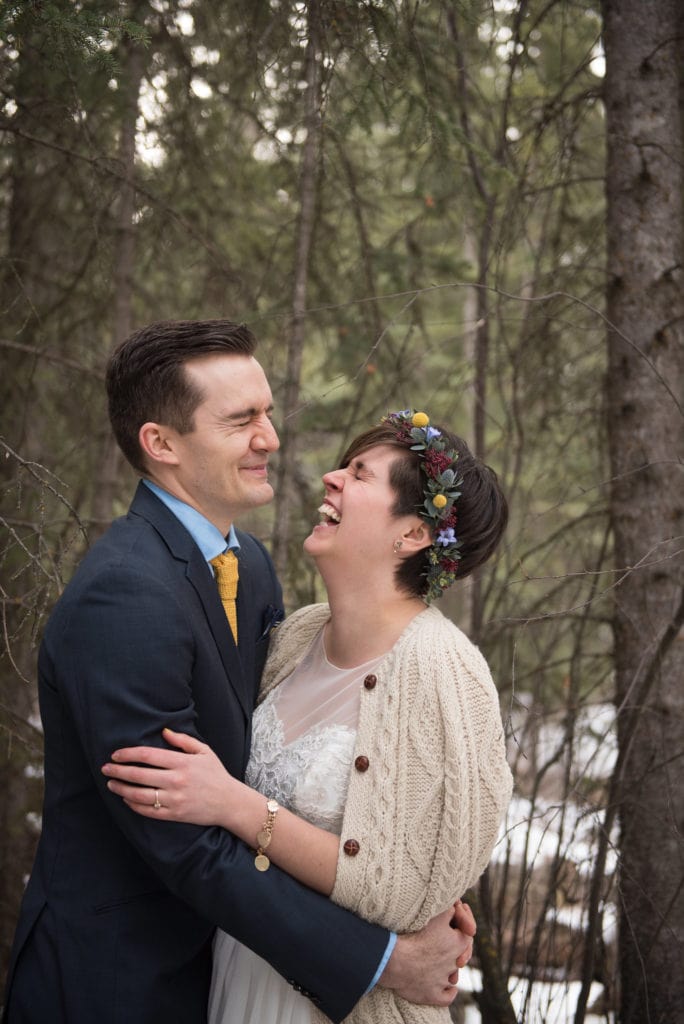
(26, 292)
(308, 187)
(493, 1001)
(645, 307)
(133, 60)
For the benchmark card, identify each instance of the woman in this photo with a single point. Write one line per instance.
(378, 727)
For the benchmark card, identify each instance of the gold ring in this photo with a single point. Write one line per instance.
(156, 803)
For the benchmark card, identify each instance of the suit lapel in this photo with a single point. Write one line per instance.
(183, 548)
(200, 577)
(246, 605)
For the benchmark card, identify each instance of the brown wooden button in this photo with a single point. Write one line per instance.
(370, 681)
(361, 763)
(351, 847)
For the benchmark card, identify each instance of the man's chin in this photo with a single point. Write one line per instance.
(263, 494)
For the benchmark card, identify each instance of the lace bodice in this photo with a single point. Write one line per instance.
(303, 737)
(310, 775)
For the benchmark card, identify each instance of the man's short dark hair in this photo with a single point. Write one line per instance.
(146, 379)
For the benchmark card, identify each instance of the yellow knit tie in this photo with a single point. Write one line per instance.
(226, 569)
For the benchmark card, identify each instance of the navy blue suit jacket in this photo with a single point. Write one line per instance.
(118, 916)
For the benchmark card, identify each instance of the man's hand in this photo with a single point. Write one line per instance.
(424, 966)
(464, 921)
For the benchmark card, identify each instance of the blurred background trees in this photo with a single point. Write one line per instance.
(407, 203)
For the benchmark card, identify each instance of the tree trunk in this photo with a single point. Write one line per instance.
(645, 306)
(308, 186)
(26, 294)
(133, 59)
(493, 1001)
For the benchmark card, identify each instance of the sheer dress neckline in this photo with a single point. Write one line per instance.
(318, 693)
(303, 736)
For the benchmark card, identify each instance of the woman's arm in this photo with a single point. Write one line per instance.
(192, 785)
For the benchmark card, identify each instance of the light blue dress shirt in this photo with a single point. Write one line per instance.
(206, 536)
(211, 542)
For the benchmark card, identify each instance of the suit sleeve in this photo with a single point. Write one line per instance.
(125, 654)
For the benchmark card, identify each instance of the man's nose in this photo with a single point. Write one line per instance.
(265, 438)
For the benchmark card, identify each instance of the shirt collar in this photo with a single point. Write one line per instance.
(206, 536)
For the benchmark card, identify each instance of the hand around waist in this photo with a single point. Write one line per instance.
(424, 966)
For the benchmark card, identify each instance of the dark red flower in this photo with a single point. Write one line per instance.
(436, 462)
(403, 428)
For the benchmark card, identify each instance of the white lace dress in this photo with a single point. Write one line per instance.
(302, 744)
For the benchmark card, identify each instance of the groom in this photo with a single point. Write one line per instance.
(119, 912)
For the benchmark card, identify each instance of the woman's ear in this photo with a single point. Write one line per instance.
(156, 443)
(415, 537)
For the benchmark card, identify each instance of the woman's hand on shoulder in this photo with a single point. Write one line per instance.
(191, 784)
(187, 784)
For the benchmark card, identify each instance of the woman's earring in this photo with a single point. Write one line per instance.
(397, 546)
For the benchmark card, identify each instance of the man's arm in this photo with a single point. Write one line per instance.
(124, 654)
(196, 787)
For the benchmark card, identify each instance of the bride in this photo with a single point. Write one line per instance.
(378, 772)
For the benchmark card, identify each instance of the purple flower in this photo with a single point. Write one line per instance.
(446, 537)
(431, 433)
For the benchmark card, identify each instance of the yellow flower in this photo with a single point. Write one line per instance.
(439, 501)
(420, 419)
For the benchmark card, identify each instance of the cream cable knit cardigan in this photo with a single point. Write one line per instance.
(427, 811)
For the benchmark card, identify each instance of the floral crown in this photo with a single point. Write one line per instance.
(441, 491)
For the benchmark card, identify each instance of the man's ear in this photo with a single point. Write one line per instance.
(415, 537)
(156, 442)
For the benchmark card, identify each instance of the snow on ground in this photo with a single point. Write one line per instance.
(549, 1003)
(558, 825)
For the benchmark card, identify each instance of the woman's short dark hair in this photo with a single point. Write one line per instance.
(146, 379)
(482, 509)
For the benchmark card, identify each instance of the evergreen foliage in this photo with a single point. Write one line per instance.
(455, 264)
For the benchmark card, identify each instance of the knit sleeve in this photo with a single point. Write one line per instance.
(477, 780)
(426, 814)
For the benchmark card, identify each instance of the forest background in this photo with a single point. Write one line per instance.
(473, 208)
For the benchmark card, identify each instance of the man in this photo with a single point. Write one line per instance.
(119, 913)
